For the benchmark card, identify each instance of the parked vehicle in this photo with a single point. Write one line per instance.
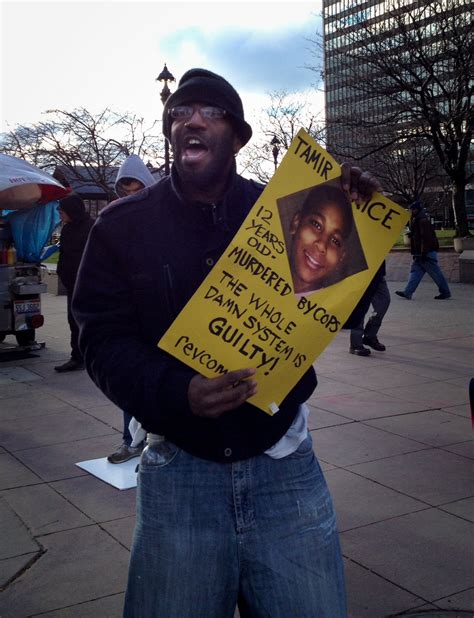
(28, 216)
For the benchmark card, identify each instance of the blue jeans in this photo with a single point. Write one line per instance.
(419, 267)
(260, 532)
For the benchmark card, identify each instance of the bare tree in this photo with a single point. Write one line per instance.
(286, 114)
(411, 70)
(408, 167)
(80, 140)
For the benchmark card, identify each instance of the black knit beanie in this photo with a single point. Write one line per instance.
(73, 206)
(201, 86)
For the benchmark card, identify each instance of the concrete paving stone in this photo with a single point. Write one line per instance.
(109, 414)
(351, 495)
(433, 476)
(62, 576)
(15, 374)
(431, 395)
(106, 607)
(415, 552)
(347, 445)
(457, 365)
(98, 500)
(121, 530)
(43, 510)
(31, 432)
(466, 449)
(318, 418)
(367, 405)
(329, 386)
(10, 567)
(371, 596)
(434, 428)
(464, 381)
(15, 538)
(461, 508)
(434, 368)
(12, 390)
(463, 601)
(34, 403)
(78, 390)
(58, 461)
(14, 474)
(463, 409)
(370, 375)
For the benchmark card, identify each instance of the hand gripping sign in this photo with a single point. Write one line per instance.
(289, 279)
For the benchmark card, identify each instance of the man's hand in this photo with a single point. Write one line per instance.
(358, 184)
(211, 397)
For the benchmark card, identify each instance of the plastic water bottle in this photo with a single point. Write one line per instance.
(157, 451)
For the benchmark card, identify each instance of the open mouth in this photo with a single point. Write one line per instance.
(194, 149)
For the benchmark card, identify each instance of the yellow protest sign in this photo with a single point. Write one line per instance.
(289, 279)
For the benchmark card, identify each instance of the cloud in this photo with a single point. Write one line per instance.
(255, 60)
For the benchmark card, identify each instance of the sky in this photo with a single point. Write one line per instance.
(67, 54)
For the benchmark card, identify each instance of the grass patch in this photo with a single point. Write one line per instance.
(53, 259)
(445, 238)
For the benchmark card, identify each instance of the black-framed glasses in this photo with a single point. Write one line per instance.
(185, 112)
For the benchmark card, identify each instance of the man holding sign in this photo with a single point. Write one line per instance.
(232, 505)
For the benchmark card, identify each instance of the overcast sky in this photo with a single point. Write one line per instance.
(66, 54)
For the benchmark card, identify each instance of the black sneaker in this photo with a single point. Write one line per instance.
(360, 351)
(402, 294)
(71, 365)
(374, 343)
(442, 296)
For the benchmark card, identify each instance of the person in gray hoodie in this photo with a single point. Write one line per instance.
(132, 177)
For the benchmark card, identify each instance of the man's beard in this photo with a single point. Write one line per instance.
(214, 172)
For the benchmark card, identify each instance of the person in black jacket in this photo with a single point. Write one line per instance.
(75, 231)
(380, 301)
(424, 247)
(232, 506)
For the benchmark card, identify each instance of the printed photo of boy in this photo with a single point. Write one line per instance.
(323, 245)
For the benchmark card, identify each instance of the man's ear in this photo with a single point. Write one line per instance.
(237, 145)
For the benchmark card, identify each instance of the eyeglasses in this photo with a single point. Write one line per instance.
(185, 112)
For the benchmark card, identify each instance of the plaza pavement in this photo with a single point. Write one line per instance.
(392, 432)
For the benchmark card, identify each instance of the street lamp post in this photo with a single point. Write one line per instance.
(275, 150)
(165, 76)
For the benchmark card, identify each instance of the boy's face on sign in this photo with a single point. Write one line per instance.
(318, 245)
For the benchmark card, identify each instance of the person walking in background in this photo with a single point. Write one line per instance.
(230, 498)
(380, 301)
(424, 246)
(132, 177)
(75, 231)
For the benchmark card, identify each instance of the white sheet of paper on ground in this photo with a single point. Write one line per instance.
(121, 476)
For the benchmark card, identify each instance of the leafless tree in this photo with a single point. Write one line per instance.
(412, 71)
(80, 140)
(286, 114)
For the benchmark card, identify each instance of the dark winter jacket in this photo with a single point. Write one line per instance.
(422, 235)
(71, 247)
(145, 258)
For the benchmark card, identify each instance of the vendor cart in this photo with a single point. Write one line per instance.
(28, 216)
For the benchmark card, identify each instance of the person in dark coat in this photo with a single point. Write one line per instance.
(76, 226)
(424, 248)
(230, 499)
(380, 301)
